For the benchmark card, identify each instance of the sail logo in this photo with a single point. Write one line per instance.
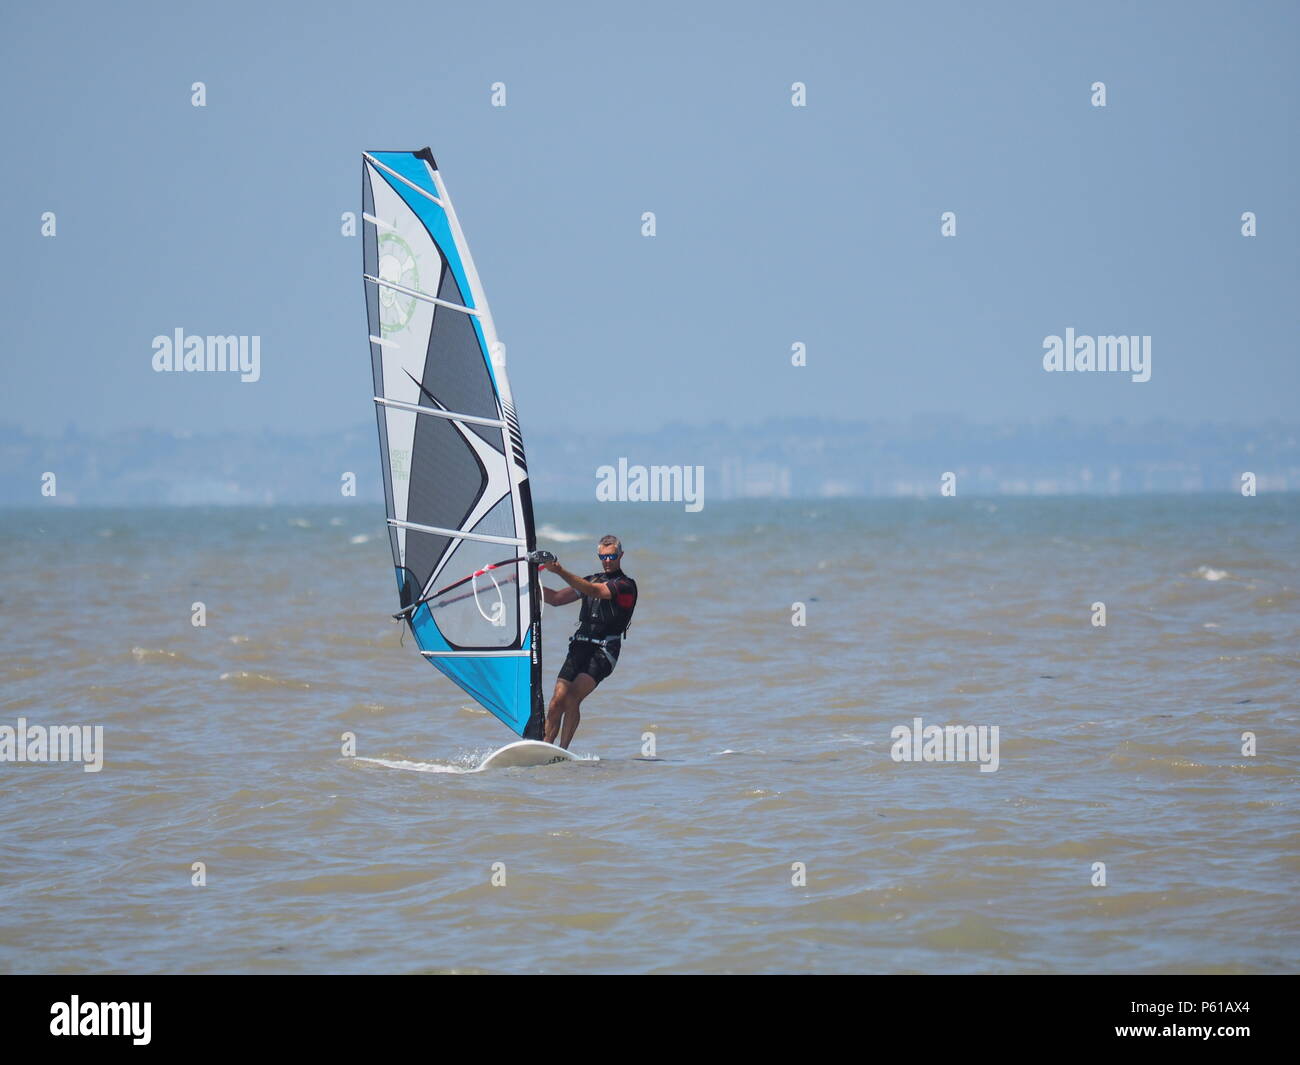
(946, 743)
(397, 266)
(180, 353)
(132, 1019)
(399, 461)
(652, 484)
(1081, 354)
(57, 743)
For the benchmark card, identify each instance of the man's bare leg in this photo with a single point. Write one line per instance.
(583, 685)
(556, 710)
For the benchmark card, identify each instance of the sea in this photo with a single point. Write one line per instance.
(286, 784)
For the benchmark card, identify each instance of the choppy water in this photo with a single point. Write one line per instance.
(1119, 745)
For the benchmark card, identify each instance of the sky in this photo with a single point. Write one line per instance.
(775, 224)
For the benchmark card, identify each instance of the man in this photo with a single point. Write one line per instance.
(608, 599)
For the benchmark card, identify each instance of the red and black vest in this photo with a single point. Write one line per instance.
(601, 618)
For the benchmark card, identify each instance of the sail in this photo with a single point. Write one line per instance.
(460, 516)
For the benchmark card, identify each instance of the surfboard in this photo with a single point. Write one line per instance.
(528, 753)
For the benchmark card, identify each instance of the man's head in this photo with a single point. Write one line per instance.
(610, 552)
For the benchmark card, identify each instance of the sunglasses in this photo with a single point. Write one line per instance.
(607, 558)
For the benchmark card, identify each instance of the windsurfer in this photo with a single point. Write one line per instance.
(608, 599)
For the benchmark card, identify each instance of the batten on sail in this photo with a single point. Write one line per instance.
(455, 476)
(454, 416)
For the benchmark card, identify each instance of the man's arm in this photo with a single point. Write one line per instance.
(579, 586)
(560, 598)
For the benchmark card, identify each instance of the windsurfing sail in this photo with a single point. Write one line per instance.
(460, 513)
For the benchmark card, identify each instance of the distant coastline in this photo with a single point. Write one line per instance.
(797, 458)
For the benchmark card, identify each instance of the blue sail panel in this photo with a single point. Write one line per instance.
(501, 684)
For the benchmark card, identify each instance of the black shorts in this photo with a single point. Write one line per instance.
(589, 658)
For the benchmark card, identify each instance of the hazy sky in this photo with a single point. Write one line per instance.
(776, 224)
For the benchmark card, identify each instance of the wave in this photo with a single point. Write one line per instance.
(416, 767)
(560, 536)
(157, 654)
(260, 681)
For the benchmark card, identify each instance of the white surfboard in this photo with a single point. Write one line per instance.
(527, 753)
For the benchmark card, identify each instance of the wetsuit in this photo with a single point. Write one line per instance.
(594, 648)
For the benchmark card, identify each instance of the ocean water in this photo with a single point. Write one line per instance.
(1119, 745)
